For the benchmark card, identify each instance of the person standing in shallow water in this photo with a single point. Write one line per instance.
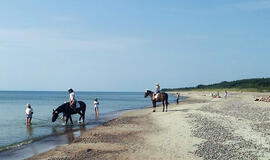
(96, 104)
(29, 113)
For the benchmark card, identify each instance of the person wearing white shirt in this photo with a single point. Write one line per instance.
(29, 113)
(72, 99)
(96, 104)
(157, 91)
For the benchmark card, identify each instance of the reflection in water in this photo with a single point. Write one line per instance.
(54, 131)
(82, 128)
(29, 131)
(69, 134)
(62, 135)
(68, 131)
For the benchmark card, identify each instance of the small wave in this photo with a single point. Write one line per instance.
(69, 128)
(22, 143)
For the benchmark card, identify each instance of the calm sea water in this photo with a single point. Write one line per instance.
(14, 132)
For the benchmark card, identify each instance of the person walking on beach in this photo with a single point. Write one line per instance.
(177, 98)
(72, 99)
(96, 104)
(226, 94)
(29, 112)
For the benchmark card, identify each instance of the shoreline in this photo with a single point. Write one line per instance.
(201, 127)
(101, 137)
(39, 145)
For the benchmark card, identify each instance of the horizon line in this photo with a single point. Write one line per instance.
(60, 91)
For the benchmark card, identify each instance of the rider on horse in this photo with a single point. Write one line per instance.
(72, 99)
(157, 91)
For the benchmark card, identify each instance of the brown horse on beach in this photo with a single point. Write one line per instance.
(162, 97)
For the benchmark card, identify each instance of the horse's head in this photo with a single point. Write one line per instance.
(147, 93)
(55, 115)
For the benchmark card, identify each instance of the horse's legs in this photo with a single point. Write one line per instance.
(81, 115)
(84, 114)
(167, 105)
(70, 119)
(163, 106)
(67, 117)
(154, 106)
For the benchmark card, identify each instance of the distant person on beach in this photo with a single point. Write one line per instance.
(226, 94)
(72, 99)
(96, 104)
(29, 112)
(177, 98)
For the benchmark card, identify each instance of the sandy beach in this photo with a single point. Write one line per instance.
(201, 127)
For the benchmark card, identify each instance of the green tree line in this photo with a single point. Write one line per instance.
(255, 84)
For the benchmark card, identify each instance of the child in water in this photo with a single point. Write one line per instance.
(96, 104)
(29, 113)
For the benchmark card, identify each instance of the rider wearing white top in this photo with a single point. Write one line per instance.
(72, 96)
(157, 88)
(72, 99)
(157, 91)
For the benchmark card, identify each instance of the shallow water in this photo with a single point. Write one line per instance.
(14, 133)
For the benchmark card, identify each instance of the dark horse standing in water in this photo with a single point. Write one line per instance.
(162, 97)
(68, 111)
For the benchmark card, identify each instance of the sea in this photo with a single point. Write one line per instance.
(16, 136)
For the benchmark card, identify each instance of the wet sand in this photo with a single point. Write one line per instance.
(199, 128)
(43, 144)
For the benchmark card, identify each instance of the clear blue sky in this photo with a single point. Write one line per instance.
(120, 45)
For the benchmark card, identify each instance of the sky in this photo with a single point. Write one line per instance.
(129, 45)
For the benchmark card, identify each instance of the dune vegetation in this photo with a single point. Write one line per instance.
(250, 85)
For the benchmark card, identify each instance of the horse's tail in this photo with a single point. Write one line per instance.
(83, 106)
(83, 109)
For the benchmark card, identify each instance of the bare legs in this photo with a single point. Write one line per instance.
(96, 111)
(28, 121)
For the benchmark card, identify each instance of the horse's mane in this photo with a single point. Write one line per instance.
(62, 106)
